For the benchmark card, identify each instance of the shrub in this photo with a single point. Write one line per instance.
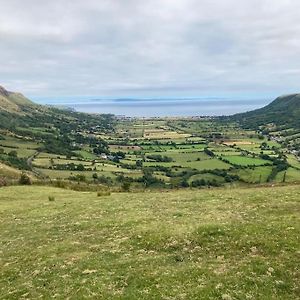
(13, 153)
(51, 198)
(126, 186)
(103, 193)
(184, 183)
(60, 184)
(24, 179)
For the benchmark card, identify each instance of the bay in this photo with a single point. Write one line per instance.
(162, 107)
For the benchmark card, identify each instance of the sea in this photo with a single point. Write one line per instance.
(159, 107)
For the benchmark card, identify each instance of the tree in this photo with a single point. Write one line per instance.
(184, 183)
(139, 164)
(80, 167)
(284, 177)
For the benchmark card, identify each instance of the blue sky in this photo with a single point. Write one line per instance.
(155, 48)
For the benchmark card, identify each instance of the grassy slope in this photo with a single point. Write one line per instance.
(284, 110)
(9, 172)
(13, 102)
(204, 244)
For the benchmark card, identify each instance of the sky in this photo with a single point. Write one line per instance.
(153, 48)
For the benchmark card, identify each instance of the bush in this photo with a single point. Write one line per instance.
(51, 198)
(103, 193)
(78, 178)
(126, 186)
(24, 179)
(184, 183)
(60, 184)
(13, 153)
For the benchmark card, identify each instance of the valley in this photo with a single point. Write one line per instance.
(106, 207)
(147, 152)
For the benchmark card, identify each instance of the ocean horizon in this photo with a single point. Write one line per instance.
(159, 107)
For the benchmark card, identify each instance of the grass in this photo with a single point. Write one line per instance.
(293, 161)
(62, 174)
(177, 148)
(21, 152)
(207, 164)
(86, 154)
(292, 175)
(246, 161)
(182, 157)
(9, 172)
(24, 148)
(161, 134)
(19, 143)
(207, 177)
(208, 244)
(255, 175)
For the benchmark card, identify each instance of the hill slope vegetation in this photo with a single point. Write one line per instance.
(284, 112)
(14, 102)
(213, 244)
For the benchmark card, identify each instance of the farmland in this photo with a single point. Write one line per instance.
(158, 153)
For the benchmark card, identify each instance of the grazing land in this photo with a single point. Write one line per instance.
(238, 243)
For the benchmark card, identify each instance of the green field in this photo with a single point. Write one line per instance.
(292, 175)
(208, 164)
(24, 148)
(206, 176)
(208, 244)
(293, 161)
(246, 161)
(254, 175)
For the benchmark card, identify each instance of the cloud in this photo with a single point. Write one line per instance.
(155, 47)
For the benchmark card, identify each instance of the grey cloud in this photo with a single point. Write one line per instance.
(167, 47)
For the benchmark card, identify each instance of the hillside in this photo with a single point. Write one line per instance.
(14, 102)
(284, 112)
(17, 113)
(217, 244)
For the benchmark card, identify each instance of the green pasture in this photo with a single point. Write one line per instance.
(191, 244)
(254, 175)
(246, 161)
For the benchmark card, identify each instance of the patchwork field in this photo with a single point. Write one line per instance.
(189, 244)
(24, 148)
(153, 152)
